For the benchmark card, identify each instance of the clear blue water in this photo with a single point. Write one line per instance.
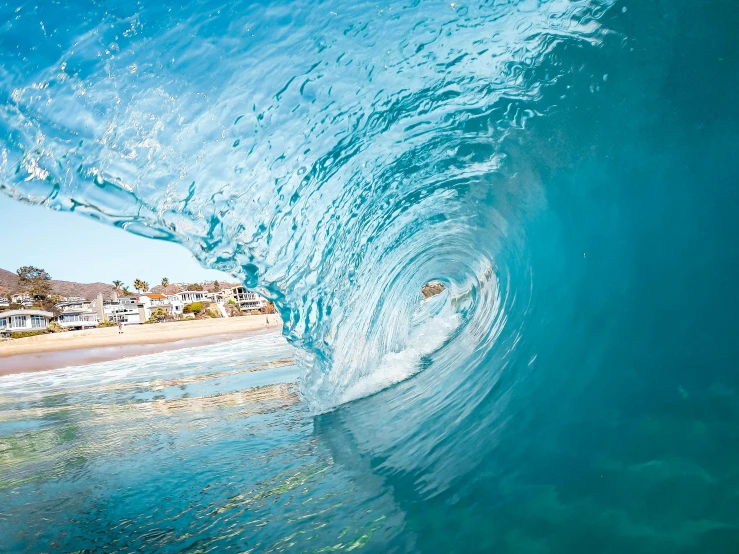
(565, 167)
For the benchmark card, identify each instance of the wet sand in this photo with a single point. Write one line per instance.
(57, 350)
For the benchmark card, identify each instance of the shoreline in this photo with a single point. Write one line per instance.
(54, 351)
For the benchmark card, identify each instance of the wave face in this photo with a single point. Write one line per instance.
(563, 167)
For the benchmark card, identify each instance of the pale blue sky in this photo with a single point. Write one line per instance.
(74, 248)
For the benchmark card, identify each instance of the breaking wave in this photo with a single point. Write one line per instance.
(335, 157)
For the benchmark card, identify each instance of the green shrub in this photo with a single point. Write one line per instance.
(54, 327)
(22, 334)
(194, 308)
(157, 316)
(107, 324)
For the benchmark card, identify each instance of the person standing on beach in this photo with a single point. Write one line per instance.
(120, 327)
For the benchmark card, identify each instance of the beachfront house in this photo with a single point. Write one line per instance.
(122, 309)
(14, 321)
(244, 299)
(131, 310)
(190, 296)
(176, 303)
(4, 302)
(125, 310)
(78, 319)
(151, 302)
(77, 314)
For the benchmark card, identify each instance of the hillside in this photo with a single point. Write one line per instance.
(177, 287)
(8, 281)
(85, 290)
(9, 285)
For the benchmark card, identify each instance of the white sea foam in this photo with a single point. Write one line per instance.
(148, 366)
(395, 367)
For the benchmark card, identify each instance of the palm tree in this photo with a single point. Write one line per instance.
(165, 282)
(126, 292)
(139, 285)
(146, 285)
(117, 286)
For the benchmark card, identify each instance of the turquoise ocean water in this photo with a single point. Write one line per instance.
(567, 168)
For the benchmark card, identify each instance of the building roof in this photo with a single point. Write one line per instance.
(155, 295)
(9, 313)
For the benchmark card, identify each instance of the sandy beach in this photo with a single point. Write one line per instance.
(56, 350)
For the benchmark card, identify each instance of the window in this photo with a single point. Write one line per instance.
(38, 322)
(18, 321)
(3, 323)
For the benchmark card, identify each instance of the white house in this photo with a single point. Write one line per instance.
(22, 299)
(176, 303)
(190, 296)
(136, 309)
(77, 313)
(78, 318)
(13, 321)
(151, 302)
(124, 309)
(245, 299)
(154, 299)
(4, 302)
